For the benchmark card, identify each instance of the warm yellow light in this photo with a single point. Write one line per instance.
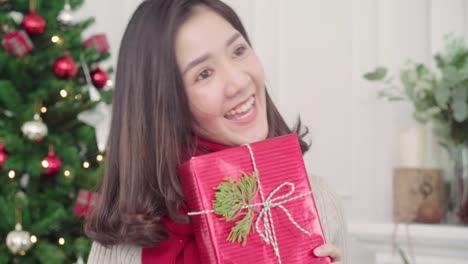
(45, 164)
(86, 164)
(63, 93)
(11, 174)
(61, 241)
(78, 96)
(66, 173)
(99, 157)
(109, 83)
(43, 109)
(33, 239)
(55, 39)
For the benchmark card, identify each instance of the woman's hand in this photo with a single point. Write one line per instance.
(329, 250)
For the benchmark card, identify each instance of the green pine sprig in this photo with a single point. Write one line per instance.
(230, 202)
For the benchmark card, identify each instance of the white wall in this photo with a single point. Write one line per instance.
(111, 18)
(315, 53)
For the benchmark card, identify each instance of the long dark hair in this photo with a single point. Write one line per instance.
(151, 125)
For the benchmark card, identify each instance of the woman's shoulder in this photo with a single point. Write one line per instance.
(117, 254)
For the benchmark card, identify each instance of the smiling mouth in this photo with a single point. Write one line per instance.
(241, 111)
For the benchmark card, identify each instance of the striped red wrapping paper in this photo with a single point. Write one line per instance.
(279, 161)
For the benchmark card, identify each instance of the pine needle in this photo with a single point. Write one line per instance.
(230, 201)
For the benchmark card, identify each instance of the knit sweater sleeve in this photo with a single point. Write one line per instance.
(118, 254)
(331, 215)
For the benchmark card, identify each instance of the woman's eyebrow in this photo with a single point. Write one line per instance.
(205, 57)
(232, 39)
(195, 62)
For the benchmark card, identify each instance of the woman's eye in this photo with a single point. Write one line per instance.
(239, 51)
(204, 74)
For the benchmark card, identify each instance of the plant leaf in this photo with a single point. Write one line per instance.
(460, 103)
(442, 130)
(439, 61)
(378, 74)
(450, 73)
(442, 96)
(409, 78)
(460, 111)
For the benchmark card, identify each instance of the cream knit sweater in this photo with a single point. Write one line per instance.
(328, 205)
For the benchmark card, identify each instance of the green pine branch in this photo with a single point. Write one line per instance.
(49, 253)
(231, 200)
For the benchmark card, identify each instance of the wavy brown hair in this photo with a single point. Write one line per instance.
(151, 125)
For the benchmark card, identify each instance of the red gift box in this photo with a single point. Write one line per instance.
(286, 225)
(17, 43)
(85, 202)
(99, 42)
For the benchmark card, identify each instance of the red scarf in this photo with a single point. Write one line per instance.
(180, 248)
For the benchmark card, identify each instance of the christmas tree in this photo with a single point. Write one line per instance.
(54, 120)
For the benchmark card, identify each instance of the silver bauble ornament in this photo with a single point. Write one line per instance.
(18, 241)
(35, 129)
(65, 16)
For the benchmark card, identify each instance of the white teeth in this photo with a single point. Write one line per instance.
(242, 108)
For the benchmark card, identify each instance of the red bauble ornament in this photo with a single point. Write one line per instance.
(51, 163)
(3, 155)
(65, 67)
(34, 24)
(99, 78)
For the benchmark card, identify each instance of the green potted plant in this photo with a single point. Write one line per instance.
(439, 97)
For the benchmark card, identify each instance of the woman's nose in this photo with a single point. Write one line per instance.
(236, 80)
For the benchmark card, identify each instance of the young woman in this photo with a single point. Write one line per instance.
(188, 82)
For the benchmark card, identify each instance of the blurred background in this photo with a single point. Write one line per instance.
(315, 55)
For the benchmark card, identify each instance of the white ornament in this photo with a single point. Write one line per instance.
(18, 241)
(65, 16)
(35, 129)
(16, 16)
(8, 113)
(100, 119)
(24, 181)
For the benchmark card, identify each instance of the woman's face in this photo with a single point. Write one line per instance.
(224, 80)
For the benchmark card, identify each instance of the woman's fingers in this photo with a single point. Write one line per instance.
(328, 250)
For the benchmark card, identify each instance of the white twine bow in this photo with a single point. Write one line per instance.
(268, 233)
(270, 203)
